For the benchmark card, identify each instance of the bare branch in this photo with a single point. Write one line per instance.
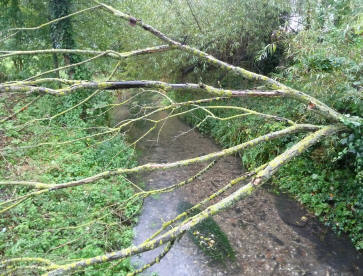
(108, 53)
(15, 31)
(166, 250)
(223, 204)
(27, 87)
(173, 229)
(322, 108)
(206, 200)
(186, 162)
(25, 107)
(54, 21)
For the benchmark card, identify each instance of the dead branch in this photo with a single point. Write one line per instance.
(322, 108)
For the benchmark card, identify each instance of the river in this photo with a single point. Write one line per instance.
(270, 234)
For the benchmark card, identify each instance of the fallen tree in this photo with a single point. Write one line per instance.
(249, 182)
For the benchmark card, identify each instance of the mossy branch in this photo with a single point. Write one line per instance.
(321, 108)
(262, 177)
(28, 87)
(166, 166)
(108, 53)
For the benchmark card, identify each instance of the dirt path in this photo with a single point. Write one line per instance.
(272, 235)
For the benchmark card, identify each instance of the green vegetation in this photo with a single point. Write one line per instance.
(321, 57)
(86, 221)
(83, 222)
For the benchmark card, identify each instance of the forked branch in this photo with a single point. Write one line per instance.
(263, 176)
(182, 222)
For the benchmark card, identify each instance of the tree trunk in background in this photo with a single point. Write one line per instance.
(61, 31)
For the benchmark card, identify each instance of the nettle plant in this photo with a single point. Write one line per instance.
(310, 134)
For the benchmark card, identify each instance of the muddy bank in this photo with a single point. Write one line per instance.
(271, 234)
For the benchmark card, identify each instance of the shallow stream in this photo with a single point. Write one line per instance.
(271, 234)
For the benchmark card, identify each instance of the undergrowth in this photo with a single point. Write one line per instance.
(74, 223)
